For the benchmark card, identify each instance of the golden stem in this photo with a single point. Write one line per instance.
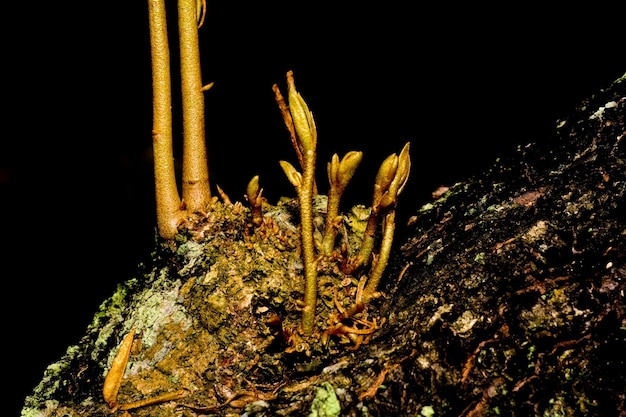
(167, 197)
(308, 244)
(196, 191)
(339, 175)
(383, 256)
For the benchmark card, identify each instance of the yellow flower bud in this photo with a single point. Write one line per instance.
(348, 166)
(402, 172)
(252, 191)
(385, 176)
(302, 117)
(333, 170)
(294, 177)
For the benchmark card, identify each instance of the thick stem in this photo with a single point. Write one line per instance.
(167, 197)
(308, 245)
(196, 191)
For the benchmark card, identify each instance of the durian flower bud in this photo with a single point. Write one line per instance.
(294, 177)
(384, 177)
(253, 192)
(254, 196)
(340, 173)
(302, 117)
(389, 195)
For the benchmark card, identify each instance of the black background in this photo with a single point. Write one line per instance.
(463, 83)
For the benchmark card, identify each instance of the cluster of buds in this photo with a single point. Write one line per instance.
(390, 180)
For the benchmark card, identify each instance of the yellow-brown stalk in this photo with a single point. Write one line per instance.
(171, 210)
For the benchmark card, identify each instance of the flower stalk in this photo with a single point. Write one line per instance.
(390, 180)
(302, 124)
(339, 175)
(387, 204)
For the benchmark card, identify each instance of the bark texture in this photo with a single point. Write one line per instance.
(505, 296)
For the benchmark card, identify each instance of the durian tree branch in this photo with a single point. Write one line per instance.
(168, 204)
(195, 184)
(171, 211)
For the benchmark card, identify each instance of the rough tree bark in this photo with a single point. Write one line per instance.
(505, 297)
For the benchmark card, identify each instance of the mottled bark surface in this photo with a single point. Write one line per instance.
(505, 297)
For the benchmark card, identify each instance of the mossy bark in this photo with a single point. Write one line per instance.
(505, 296)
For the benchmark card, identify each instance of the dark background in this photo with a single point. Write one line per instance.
(464, 84)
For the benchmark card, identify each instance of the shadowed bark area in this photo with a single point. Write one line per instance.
(513, 298)
(505, 296)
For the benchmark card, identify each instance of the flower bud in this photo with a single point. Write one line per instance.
(294, 177)
(402, 172)
(348, 166)
(385, 176)
(252, 191)
(302, 117)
